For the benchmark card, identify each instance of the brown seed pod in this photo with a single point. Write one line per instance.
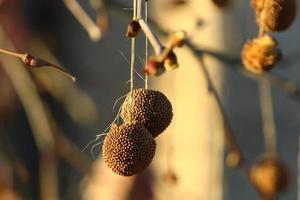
(128, 149)
(133, 29)
(221, 3)
(150, 108)
(275, 15)
(269, 176)
(154, 67)
(171, 61)
(260, 54)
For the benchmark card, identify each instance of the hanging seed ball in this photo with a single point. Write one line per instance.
(260, 54)
(275, 15)
(128, 149)
(269, 176)
(150, 108)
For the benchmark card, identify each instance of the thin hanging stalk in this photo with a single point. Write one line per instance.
(269, 129)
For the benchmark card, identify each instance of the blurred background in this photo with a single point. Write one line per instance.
(46, 120)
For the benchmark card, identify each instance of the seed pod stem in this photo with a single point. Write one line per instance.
(18, 55)
(151, 36)
(87, 23)
(139, 9)
(262, 17)
(267, 114)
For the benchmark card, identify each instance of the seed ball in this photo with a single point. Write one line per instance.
(150, 108)
(128, 149)
(269, 176)
(275, 15)
(260, 54)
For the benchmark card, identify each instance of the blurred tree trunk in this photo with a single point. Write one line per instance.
(189, 160)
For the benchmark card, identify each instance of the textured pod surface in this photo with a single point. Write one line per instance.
(260, 54)
(148, 107)
(275, 15)
(128, 149)
(269, 176)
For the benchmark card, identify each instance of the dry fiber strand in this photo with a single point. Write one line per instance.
(275, 15)
(128, 149)
(269, 176)
(150, 108)
(260, 54)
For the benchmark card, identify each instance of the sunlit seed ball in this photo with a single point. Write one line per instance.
(278, 15)
(150, 108)
(260, 54)
(269, 176)
(128, 149)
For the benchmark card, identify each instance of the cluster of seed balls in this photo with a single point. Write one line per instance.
(261, 54)
(129, 148)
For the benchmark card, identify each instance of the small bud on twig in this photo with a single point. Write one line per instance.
(154, 67)
(133, 29)
(31, 61)
(170, 61)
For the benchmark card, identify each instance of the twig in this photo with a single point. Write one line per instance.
(228, 131)
(286, 86)
(83, 18)
(151, 37)
(18, 55)
(31, 61)
(146, 44)
(267, 114)
(139, 9)
(298, 171)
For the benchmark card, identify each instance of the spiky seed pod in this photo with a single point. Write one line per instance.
(260, 54)
(275, 15)
(148, 107)
(128, 149)
(269, 176)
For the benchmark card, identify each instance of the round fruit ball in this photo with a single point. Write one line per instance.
(269, 176)
(150, 108)
(128, 149)
(260, 54)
